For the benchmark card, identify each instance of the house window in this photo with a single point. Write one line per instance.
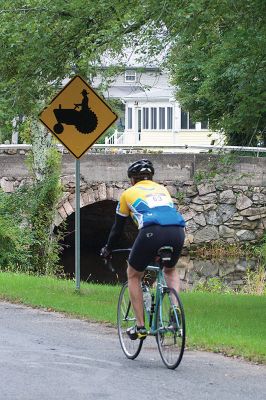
(129, 118)
(169, 117)
(130, 76)
(145, 118)
(161, 118)
(186, 122)
(153, 118)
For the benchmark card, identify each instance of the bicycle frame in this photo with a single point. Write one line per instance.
(152, 316)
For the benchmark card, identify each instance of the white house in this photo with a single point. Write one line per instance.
(150, 113)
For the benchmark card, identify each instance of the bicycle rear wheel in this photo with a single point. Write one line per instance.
(126, 319)
(171, 328)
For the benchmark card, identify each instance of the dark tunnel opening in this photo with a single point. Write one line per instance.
(96, 221)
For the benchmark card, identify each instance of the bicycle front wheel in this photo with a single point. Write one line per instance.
(171, 328)
(126, 319)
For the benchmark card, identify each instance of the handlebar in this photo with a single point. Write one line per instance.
(108, 261)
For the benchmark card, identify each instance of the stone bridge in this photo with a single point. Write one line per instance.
(222, 198)
(232, 206)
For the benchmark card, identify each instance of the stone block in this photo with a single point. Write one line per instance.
(208, 207)
(196, 207)
(7, 185)
(208, 198)
(68, 208)
(225, 212)
(102, 191)
(191, 191)
(200, 219)
(206, 188)
(72, 201)
(226, 232)
(251, 225)
(206, 234)
(227, 197)
(245, 235)
(191, 226)
(212, 218)
(58, 219)
(187, 215)
(250, 212)
(110, 193)
(62, 212)
(243, 202)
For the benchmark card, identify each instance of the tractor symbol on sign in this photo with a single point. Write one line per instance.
(84, 120)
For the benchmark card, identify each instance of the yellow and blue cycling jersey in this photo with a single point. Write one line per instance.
(149, 203)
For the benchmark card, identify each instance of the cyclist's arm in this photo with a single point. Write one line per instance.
(116, 231)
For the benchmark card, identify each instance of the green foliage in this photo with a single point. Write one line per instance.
(26, 218)
(212, 285)
(180, 197)
(214, 51)
(218, 62)
(63, 38)
(255, 281)
(45, 194)
(260, 251)
(15, 234)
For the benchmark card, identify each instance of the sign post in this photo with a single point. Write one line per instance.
(77, 227)
(77, 116)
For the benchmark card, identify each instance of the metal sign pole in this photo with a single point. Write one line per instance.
(77, 227)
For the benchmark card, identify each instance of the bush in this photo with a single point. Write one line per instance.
(26, 219)
(212, 285)
(15, 235)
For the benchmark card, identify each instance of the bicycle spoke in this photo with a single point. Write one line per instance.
(125, 320)
(171, 329)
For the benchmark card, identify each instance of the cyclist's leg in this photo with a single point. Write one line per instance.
(176, 240)
(143, 251)
(135, 292)
(172, 278)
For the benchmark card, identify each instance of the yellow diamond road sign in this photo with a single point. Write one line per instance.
(77, 116)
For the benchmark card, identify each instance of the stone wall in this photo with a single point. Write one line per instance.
(231, 208)
(213, 213)
(225, 215)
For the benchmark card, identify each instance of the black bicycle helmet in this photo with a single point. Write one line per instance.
(140, 167)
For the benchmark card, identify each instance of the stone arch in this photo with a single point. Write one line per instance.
(90, 193)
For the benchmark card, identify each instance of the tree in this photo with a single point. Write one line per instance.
(215, 52)
(43, 42)
(217, 61)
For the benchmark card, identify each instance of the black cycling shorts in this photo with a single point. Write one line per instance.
(150, 239)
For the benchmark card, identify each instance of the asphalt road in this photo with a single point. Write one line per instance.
(47, 356)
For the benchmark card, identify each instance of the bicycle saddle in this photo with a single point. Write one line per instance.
(165, 253)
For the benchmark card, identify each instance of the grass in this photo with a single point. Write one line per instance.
(231, 324)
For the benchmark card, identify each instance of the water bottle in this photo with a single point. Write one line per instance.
(146, 298)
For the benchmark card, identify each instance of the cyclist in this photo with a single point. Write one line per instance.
(160, 224)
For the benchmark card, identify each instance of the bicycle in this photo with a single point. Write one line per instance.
(163, 311)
